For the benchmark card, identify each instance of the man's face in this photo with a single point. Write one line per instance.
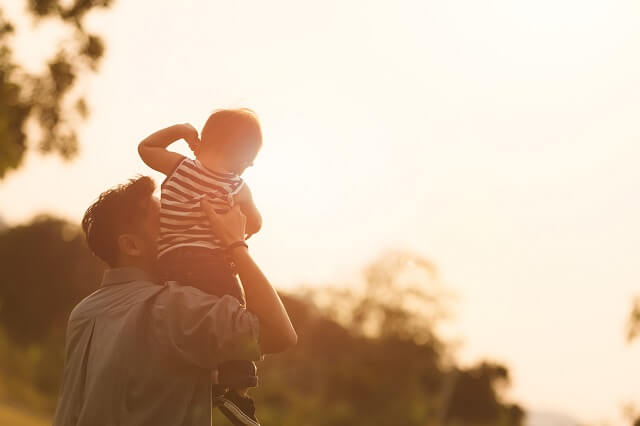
(151, 229)
(139, 248)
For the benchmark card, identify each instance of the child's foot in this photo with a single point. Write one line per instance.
(239, 409)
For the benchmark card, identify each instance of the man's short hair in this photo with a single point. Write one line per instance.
(116, 211)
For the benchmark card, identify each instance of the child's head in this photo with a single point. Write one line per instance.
(231, 136)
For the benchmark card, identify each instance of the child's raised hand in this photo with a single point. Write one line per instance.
(192, 138)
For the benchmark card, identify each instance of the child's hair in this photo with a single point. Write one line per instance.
(234, 129)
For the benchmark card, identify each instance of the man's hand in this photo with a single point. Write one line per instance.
(229, 226)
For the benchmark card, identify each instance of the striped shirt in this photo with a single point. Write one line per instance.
(182, 222)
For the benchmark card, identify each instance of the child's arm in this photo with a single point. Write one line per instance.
(153, 149)
(249, 209)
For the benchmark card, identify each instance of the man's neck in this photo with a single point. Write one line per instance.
(126, 262)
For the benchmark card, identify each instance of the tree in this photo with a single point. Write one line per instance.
(474, 398)
(46, 99)
(46, 269)
(633, 326)
(374, 357)
(633, 331)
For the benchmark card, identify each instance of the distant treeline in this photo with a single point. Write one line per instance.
(369, 356)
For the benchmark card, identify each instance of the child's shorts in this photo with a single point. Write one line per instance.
(209, 270)
(212, 272)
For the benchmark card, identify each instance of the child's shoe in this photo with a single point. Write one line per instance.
(239, 409)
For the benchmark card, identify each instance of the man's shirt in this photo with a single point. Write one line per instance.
(139, 353)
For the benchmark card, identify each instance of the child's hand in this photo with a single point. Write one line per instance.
(192, 138)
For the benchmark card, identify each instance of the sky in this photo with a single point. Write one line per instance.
(499, 139)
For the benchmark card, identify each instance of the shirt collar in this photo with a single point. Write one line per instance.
(225, 174)
(123, 275)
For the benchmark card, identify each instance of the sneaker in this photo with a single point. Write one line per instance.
(239, 409)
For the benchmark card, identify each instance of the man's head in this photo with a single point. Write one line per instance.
(233, 134)
(122, 226)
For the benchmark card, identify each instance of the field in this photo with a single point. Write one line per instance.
(17, 417)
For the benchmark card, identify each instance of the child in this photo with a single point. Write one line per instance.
(188, 252)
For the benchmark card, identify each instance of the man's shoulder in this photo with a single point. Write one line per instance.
(188, 295)
(113, 298)
(192, 304)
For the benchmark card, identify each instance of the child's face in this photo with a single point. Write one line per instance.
(242, 160)
(240, 150)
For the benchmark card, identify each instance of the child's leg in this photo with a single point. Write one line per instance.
(238, 408)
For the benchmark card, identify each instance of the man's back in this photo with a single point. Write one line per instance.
(140, 353)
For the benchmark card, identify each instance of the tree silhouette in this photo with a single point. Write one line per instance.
(46, 269)
(633, 326)
(633, 331)
(374, 356)
(370, 354)
(474, 398)
(46, 99)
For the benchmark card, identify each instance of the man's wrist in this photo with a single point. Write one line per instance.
(236, 244)
(237, 251)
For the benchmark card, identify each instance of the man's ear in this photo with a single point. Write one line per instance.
(130, 245)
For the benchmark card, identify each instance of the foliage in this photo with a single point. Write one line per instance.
(46, 269)
(30, 374)
(46, 99)
(373, 358)
(15, 416)
(633, 327)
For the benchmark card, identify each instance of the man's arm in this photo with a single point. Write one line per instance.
(276, 331)
(153, 149)
(204, 329)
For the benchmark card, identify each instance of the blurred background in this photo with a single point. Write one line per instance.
(449, 192)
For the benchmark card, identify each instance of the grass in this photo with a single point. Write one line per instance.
(13, 416)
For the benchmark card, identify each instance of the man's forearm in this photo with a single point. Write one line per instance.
(276, 330)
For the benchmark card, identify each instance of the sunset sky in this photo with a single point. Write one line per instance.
(500, 139)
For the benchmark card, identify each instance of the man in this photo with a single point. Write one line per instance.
(142, 353)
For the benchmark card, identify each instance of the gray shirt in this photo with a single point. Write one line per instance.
(139, 353)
